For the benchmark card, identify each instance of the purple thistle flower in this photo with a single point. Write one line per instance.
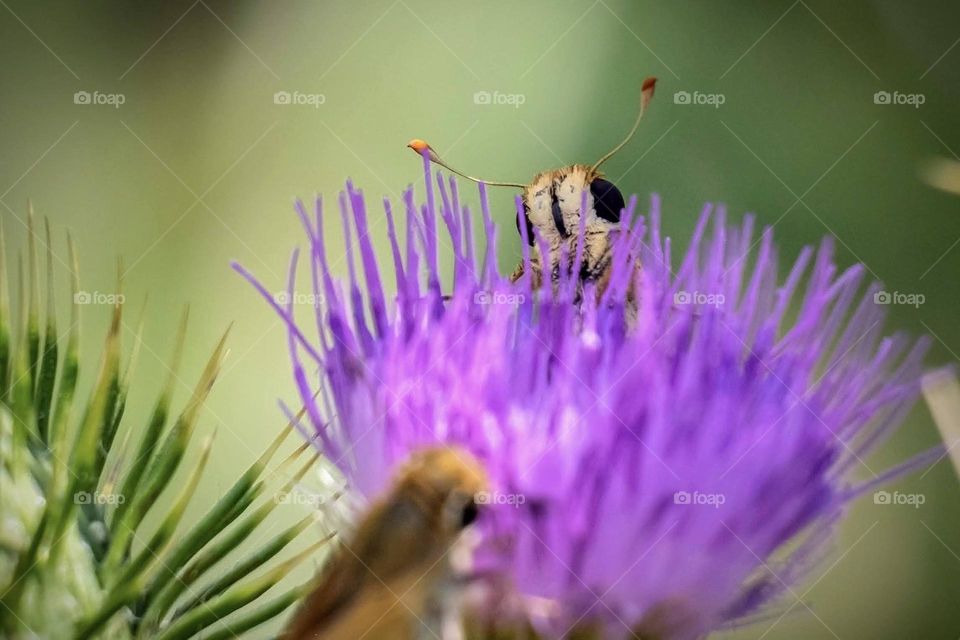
(669, 474)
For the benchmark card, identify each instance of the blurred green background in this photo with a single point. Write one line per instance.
(200, 164)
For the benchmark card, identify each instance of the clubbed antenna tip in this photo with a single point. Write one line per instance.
(421, 147)
(646, 95)
(646, 91)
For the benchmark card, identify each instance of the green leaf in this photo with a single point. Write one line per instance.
(47, 375)
(33, 302)
(233, 599)
(253, 562)
(158, 419)
(130, 581)
(83, 476)
(5, 323)
(216, 551)
(71, 365)
(162, 467)
(227, 509)
(243, 623)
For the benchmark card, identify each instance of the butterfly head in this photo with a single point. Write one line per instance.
(554, 200)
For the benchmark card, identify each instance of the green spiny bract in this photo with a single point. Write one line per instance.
(77, 559)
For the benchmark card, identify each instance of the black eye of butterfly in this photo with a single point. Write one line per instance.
(558, 215)
(526, 210)
(608, 202)
(607, 199)
(469, 513)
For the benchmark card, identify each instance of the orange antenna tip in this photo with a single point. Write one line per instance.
(646, 92)
(418, 145)
(421, 146)
(646, 95)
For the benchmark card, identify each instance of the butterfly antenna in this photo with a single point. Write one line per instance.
(420, 147)
(646, 94)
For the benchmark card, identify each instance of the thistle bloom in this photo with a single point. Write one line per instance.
(667, 471)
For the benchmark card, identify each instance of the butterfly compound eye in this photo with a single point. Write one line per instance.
(607, 199)
(469, 514)
(531, 240)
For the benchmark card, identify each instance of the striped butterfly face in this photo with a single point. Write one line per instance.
(552, 203)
